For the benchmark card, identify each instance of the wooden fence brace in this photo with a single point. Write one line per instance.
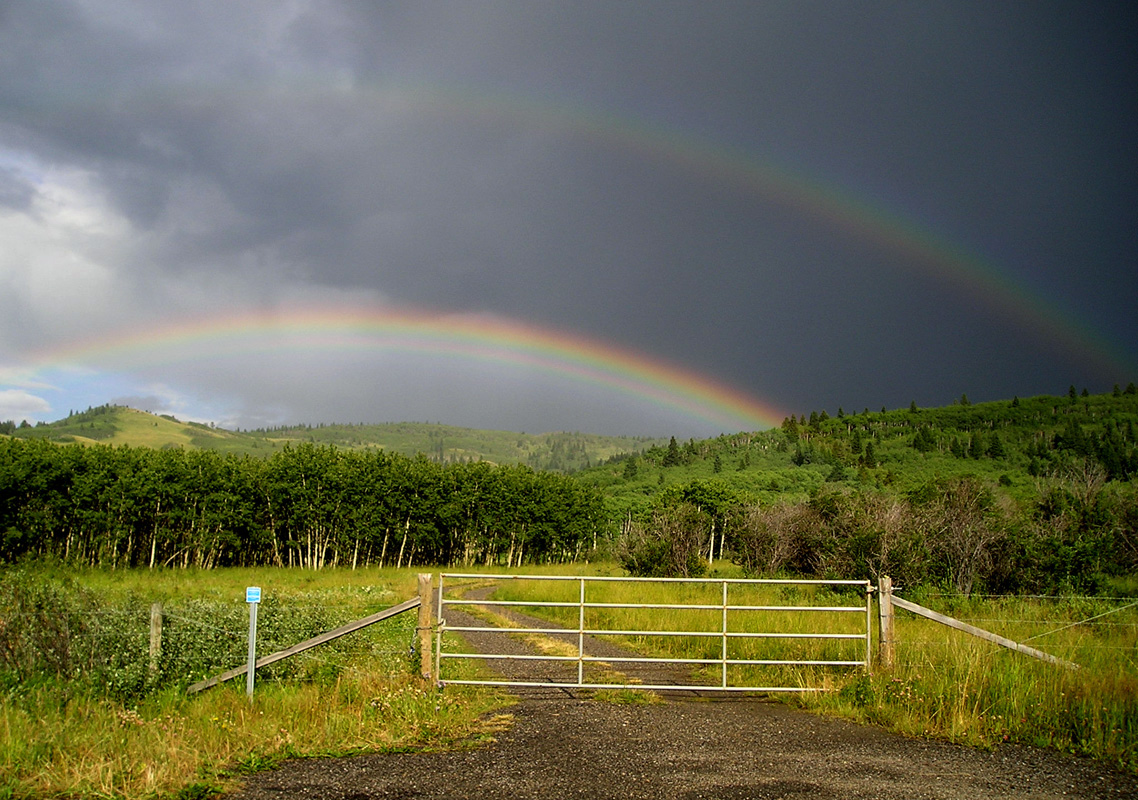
(885, 615)
(323, 638)
(426, 627)
(981, 633)
(155, 635)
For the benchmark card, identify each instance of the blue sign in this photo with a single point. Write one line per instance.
(253, 594)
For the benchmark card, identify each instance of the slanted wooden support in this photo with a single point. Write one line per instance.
(981, 633)
(308, 644)
(426, 626)
(885, 615)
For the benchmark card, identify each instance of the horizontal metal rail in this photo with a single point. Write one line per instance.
(678, 606)
(659, 687)
(633, 579)
(646, 660)
(622, 632)
(723, 632)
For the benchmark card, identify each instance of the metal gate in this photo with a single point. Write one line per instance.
(730, 602)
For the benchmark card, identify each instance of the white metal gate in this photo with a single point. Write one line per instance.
(730, 603)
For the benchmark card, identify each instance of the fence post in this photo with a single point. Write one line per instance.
(426, 625)
(885, 611)
(155, 635)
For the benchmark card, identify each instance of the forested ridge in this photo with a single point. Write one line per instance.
(1016, 495)
(1014, 443)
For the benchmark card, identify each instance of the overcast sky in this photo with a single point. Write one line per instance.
(815, 204)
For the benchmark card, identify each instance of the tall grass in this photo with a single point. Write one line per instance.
(77, 732)
(945, 684)
(950, 685)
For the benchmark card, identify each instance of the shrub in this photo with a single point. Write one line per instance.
(669, 546)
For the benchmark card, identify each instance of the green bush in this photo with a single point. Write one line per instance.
(669, 546)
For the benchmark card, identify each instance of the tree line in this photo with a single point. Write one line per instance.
(957, 533)
(307, 505)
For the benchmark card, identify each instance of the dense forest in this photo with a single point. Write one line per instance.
(1036, 494)
(307, 505)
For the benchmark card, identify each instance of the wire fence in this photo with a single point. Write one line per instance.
(109, 642)
(1100, 632)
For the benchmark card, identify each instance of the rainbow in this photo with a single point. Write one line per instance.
(377, 330)
(920, 248)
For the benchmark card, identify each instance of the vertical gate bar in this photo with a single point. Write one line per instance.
(724, 634)
(581, 638)
(868, 625)
(439, 634)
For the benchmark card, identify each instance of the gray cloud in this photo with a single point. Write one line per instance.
(596, 167)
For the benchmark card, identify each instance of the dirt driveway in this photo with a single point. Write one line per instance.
(559, 746)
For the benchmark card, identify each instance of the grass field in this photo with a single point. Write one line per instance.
(99, 730)
(110, 729)
(944, 684)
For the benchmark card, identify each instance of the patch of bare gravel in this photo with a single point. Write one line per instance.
(560, 746)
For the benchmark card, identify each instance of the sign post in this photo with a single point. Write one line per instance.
(253, 598)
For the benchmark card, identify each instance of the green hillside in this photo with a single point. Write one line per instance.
(1012, 443)
(1035, 495)
(558, 452)
(119, 425)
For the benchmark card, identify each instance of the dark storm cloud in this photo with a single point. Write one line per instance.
(485, 156)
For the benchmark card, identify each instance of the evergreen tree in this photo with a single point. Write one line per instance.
(631, 468)
(996, 447)
(924, 441)
(799, 457)
(870, 457)
(672, 457)
(977, 447)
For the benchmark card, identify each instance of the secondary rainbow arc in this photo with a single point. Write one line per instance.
(922, 248)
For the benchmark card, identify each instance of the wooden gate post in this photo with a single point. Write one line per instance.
(426, 625)
(885, 612)
(155, 635)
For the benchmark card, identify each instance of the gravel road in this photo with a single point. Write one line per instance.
(561, 746)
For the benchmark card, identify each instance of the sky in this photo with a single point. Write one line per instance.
(641, 218)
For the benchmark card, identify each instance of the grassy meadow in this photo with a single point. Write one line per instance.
(100, 723)
(944, 683)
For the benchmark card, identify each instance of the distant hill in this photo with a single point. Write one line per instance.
(1013, 443)
(558, 452)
